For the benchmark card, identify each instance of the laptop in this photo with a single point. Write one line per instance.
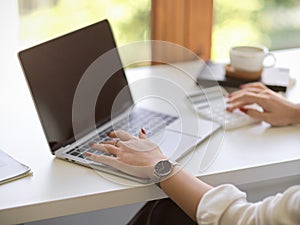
(53, 71)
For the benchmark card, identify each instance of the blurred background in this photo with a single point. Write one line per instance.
(273, 23)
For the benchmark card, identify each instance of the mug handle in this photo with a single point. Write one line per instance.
(268, 55)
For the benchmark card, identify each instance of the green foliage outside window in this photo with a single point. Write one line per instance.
(129, 18)
(274, 23)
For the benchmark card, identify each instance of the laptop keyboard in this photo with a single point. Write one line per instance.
(139, 118)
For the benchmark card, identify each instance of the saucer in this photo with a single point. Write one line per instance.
(243, 75)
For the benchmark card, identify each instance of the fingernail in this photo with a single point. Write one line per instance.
(88, 154)
(91, 144)
(143, 131)
(243, 110)
(108, 133)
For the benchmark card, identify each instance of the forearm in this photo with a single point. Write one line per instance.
(185, 190)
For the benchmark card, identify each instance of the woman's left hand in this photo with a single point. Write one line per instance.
(276, 110)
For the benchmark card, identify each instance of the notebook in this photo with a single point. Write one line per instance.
(54, 72)
(212, 74)
(11, 169)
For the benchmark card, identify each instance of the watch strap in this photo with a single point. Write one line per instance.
(158, 184)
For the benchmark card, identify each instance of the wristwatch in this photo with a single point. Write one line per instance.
(162, 169)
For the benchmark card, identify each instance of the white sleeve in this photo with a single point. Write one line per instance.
(226, 204)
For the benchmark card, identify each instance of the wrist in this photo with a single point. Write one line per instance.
(165, 180)
(295, 114)
(163, 170)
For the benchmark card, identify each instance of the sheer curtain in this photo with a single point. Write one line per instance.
(10, 70)
(9, 25)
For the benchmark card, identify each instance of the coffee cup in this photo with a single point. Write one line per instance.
(250, 58)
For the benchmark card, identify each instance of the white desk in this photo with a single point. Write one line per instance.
(245, 156)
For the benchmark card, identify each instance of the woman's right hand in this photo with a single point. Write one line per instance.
(276, 110)
(136, 156)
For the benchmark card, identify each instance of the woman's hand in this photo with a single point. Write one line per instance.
(276, 110)
(132, 155)
(137, 156)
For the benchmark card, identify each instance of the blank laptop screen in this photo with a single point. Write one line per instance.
(53, 70)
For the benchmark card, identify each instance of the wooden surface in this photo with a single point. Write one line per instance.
(187, 23)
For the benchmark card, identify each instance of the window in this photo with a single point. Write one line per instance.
(42, 20)
(273, 23)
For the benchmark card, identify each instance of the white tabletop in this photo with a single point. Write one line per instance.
(247, 155)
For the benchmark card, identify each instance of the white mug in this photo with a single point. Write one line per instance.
(250, 58)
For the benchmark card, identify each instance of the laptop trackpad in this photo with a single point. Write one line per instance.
(174, 144)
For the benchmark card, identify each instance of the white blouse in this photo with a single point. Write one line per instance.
(227, 205)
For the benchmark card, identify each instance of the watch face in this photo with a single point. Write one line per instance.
(163, 168)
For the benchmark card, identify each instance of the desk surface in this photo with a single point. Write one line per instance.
(243, 156)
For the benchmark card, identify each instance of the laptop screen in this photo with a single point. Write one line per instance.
(53, 70)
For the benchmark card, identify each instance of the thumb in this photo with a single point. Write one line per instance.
(256, 114)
